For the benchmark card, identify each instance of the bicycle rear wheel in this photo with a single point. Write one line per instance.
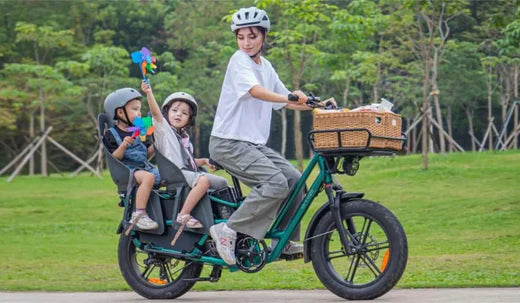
(379, 254)
(155, 276)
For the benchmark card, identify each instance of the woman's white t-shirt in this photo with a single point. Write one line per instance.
(240, 116)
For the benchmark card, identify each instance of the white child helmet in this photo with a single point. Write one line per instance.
(247, 17)
(181, 96)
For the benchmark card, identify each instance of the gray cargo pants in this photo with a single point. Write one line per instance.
(270, 177)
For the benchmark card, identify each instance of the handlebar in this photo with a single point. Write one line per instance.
(312, 101)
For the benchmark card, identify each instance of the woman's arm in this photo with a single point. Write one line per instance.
(298, 106)
(152, 104)
(263, 93)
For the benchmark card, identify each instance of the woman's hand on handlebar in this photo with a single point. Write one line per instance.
(302, 98)
(311, 101)
(330, 103)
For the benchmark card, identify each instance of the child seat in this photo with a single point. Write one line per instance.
(123, 177)
(120, 173)
(175, 182)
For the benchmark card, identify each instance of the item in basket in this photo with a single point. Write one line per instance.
(384, 106)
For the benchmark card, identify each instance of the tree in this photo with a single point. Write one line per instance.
(295, 41)
(426, 38)
(200, 51)
(44, 40)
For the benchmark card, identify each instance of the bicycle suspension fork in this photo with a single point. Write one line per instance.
(335, 208)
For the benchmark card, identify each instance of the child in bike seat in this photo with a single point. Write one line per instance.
(124, 105)
(171, 122)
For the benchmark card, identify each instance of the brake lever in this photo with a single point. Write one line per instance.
(313, 101)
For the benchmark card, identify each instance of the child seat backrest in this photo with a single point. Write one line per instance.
(120, 173)
(175, 181)
(170, 173)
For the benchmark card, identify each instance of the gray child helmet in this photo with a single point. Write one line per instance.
(248, 17)
(119, 98)
(181, 96)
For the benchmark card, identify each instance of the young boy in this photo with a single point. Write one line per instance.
(124, 105)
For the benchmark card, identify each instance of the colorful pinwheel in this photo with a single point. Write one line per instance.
(146, 62)
(142, 127)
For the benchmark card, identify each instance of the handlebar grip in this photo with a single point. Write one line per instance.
(292, 97)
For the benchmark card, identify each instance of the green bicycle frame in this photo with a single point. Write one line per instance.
(324, 177)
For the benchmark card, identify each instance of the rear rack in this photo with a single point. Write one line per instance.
(343, 150)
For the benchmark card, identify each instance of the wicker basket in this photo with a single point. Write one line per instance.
(378, 123)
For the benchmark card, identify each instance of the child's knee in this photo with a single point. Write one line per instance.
(203, 182)
(150, 178)
(147, 178)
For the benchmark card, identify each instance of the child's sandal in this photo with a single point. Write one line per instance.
(189, 221)
(185, 220)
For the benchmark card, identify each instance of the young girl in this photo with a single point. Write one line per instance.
(178, 112)
(124, 105)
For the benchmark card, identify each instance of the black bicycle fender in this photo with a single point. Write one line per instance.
(345, 197)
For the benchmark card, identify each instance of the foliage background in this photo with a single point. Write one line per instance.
(68, 55)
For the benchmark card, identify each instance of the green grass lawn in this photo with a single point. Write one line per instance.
(461, 217)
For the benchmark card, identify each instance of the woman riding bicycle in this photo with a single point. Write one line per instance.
(250, 92)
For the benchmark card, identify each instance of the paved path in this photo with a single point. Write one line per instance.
(450, 295)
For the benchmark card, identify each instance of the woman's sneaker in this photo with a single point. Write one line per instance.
(225, 239)
(144, 222)
(291, 250)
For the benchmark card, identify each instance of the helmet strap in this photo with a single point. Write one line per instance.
(258, 53)
(127, 120)
(262, 48)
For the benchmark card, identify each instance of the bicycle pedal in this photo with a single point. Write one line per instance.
(291, 257)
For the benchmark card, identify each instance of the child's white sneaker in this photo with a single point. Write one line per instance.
(144, 222)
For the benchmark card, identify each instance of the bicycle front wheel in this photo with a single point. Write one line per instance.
(378, 256)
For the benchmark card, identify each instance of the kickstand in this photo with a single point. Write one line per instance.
(214, 276)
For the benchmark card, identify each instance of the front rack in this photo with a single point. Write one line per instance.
(354, 151)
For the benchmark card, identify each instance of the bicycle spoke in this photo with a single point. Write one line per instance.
(146, 273)
(376, 247)
(167, 273)
(364, 231)
(163, 271)
(354, 264)
(332, 254)
(370, 264)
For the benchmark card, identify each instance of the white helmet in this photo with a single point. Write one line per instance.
(247, 17)
(181, 96)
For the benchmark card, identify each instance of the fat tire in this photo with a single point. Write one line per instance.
(396, 263)
(126, 255)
